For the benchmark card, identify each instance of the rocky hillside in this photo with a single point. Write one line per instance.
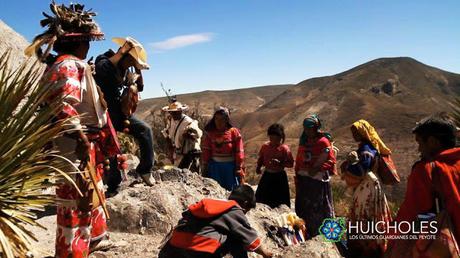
(10, 39)
(141, 216)
(390, 92)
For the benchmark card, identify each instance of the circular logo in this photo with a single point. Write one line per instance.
(333, 229)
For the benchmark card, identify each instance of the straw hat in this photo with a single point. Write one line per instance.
(175, 106)
(137, 52)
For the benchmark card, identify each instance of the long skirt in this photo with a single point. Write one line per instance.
(369, 204)
(273, 189)
(224, 174)
(77, 228)
(313, 203)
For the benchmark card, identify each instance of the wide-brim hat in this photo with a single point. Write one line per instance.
(137, 52)
(175, 106)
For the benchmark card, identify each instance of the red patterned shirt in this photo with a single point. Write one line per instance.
(316, 153)
(74, 85)
(281, 152)
(223, 144)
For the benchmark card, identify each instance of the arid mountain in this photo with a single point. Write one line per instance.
(241, 101)
(391, 93)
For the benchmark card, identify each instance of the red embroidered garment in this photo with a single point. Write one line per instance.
(74, 85)
(223, 144)
(315, 153)
(281, 152)
(75, 228)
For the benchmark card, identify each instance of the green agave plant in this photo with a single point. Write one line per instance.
(27, 164)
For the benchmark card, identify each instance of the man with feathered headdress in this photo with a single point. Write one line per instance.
(81, 217)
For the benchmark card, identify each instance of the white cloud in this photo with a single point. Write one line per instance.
(182, 41)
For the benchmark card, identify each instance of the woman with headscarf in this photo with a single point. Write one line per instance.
(369, 201)
(222, 156)
(314, 164)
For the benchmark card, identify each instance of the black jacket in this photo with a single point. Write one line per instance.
(110, 79)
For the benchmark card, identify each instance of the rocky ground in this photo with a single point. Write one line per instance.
(141, 216)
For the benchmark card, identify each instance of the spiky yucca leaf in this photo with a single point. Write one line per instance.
(27, 166)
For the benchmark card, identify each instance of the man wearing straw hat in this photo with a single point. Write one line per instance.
(114, 70)
(183, 136)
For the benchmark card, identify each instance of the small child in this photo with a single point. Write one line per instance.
(274, 155)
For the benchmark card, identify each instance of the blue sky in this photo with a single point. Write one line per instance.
(197, 45)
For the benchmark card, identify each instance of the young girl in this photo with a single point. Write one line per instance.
(274, 155)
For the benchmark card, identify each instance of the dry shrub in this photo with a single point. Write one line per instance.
(128, 144)
(342, 198)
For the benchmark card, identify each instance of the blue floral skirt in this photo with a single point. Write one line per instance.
(224, 174)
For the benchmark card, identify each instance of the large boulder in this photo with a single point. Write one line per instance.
(155, 210)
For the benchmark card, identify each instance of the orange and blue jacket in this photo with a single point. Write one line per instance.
(207, 224)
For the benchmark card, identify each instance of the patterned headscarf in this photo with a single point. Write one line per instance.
(367, 131)
(313, 121)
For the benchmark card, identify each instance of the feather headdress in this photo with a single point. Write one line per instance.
(70, 23)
